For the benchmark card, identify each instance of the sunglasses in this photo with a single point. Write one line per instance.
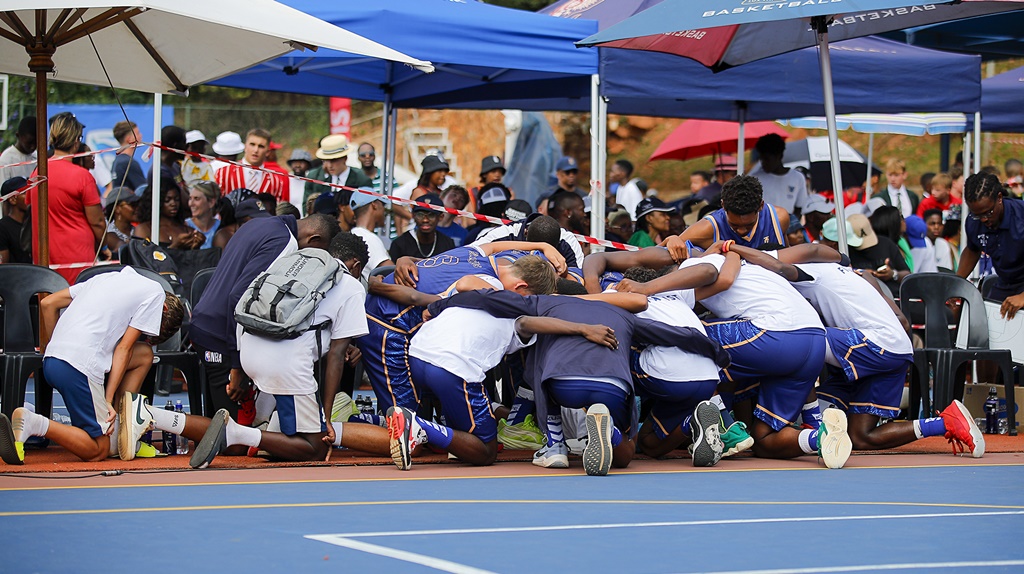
(368, 154)
(985, 216)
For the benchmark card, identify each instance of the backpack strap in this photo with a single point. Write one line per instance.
(281, 292)
(256, 286)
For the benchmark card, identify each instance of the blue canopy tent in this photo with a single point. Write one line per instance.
(1001, 98)
(993, 37)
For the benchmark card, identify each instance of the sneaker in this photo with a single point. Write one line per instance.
(214, 441)
(404, 435)
(247, 408)
(11, 451)
(705, 428)
(523, 436)
(135, 421)
(553, 456)
(962, 430)
(597, 457)
(736, 439)
(344, 407)
(834, 444)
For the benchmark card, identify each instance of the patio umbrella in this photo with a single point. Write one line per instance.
(813, 154)
(155, 46)
(699, 138)
(725, 33)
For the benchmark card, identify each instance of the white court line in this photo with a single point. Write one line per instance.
(870, 567)
(428, 561)
(682, 523)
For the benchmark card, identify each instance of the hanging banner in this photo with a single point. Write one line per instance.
(341, 116)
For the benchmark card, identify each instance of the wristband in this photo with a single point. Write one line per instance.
(727, 245)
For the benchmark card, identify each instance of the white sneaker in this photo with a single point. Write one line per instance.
(597, 456)
(553, 456)
(834, 444)
(135, 421)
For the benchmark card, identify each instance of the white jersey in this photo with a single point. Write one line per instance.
(848, 302)
(467, 342)
(285, 366)
(765, 299)
(672, 363)
(101, 311)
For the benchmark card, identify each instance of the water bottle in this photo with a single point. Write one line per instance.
(365, 404)
(1003, 426)
(182, 441)
(992, 412)
(170, 445)
(147, 437)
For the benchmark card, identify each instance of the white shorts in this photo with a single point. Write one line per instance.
(299, 414)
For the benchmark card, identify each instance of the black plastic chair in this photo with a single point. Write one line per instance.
(934, 290)
(19, 284)
(199, 283)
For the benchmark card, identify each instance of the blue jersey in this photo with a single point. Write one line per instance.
(767, 229)
(608, 278)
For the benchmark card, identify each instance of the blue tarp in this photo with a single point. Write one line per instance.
(470, 44)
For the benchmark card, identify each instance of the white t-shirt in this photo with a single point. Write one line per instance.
(925, 258)
(378, 253)
(101, 311)
(943, 254)
(628, 196)
(467, 342)
(285, 366)
(672, 363)
(849, 302)
(503, 231)
(10, 156)
(788, 191)
(901, 198)
(762, 297)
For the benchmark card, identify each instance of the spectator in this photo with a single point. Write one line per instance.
(652, 222)
(494, 198)
(286, 208)
(170, 162)
(896, 193)
(174, 234)
(454, 197)
(492, 170)
(12, 224)
(796, 234)
(941, 198)
(628, 194)
(926, 184)
(956, 189)
(887, 222)
(193, 167)
(816, 212)
(202, 203)
(126, 171)
(943, 250)
(619, 227)
(877, 255)
(568, 209)
(227, 148)
(272, 165)
(121, 215)
(369, 210)
(566, 172)
(23, 150)
(423, 240)
(922, 251)
(782, 187)
(76, 226)
(300, 162)
(252, 174)
(334, 150)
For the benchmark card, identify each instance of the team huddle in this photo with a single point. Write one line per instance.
(718, 348)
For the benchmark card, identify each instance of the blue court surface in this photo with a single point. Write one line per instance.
(654, 517)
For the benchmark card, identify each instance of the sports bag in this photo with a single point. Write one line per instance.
(280, 302)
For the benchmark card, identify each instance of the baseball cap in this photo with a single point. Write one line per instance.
(228, 143)
(794, 226)
(862, 228)
(432, 163)
(432, 199)
(252, 208)
(566, 164)
(365, 196)
(120, 194)
(13, 184)
(872, 204)
(916, 231)
(518, 209)
(300, 155)
(650, 205)
(494, 198)
(275, 145)
(326, 203)
(491, 163)
(830, 231)
(818, 204)
(194, 136)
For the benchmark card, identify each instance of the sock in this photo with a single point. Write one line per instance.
(929, 427)
(811, 415)
(616, 437)
(555, 429)
(727, 418)
(35, 425)
(522, 405)
(338, 428)
(437, 435)
(265, 406)
(495, 405)
(238, 434)
(368, 418)
(167, 421)
(808, 440)
(686, 426)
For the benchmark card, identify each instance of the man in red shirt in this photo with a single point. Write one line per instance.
(232, 177)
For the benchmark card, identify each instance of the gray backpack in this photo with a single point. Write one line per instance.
(280, 302)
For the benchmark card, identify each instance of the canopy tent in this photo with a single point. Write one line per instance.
(1001, 98)
(992, 37)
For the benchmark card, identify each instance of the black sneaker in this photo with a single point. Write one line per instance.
(707, 439)
(214, 441)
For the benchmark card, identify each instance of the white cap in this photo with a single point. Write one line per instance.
(194, 136)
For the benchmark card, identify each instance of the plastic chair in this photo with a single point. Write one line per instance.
(19, 283)
(199, 283)
(933, 290)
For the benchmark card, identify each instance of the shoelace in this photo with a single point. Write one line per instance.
(958, 445)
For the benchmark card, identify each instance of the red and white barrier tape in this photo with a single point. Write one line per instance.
(33, 182)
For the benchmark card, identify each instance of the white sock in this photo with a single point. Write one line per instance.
(338, 427)
(35, 425)
(265, 406)
(717, 399)
(917, 429)
(167, 421)
(805, 441)
(238, 434)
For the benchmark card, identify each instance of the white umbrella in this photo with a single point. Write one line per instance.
(905, 124)
(155, 46)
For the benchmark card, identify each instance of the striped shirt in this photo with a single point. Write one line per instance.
(232, 177)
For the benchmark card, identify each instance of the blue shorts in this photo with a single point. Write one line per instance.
(671, 401)
(870, 380)
(386, 362)
(86, 400)
(786, 363)
(465, 405)
(300, 414)
(580, 394)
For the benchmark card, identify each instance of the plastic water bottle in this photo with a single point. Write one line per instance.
(170, 444)
(182, 440)
(992, 412)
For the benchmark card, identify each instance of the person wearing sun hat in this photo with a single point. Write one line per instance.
(334, 150)
(652, 222)
(877, 255)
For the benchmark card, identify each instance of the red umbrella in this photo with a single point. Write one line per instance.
(699, 138)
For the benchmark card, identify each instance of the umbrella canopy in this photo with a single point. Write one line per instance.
(813, 154)
(699, 138)
(905, 124)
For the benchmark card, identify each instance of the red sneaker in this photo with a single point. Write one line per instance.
(247, 408)
(961, 430)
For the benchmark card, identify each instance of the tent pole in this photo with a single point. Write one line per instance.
(821, 25)
(596, 181)
(387, 142)
(977, 142)
(871, 153)
(741, 142)
(393, 137)
(602, 155)
(966, 153)
(155, 195)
